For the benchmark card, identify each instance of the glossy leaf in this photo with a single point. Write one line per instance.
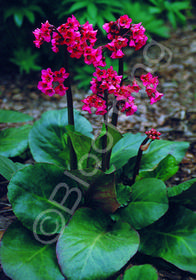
(141, 272)
(172, 238)
(166, 168)
(96, 152)
(8, 167)
(81, 144)
(123, 194)
(148, 203)
(157, 151)
(92, 247)
(23, 257)
(43, 198)
(47, 141)
(14, 141)
(184, 194)
(7, 116)
(125, 149)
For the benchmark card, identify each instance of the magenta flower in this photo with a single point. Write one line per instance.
(52, 82)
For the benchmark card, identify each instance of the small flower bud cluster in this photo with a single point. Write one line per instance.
(151, 84)
(52, 82)
(122, 33)
(153, 134)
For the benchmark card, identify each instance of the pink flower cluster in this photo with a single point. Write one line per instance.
(122, 33)
(96, 102)
(79, 39)
(153, 134)
(108, 82)
(151, 83)
(52, 82)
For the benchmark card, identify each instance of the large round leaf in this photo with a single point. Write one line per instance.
(91, 248)
(141, 272)
(184, 194)
(148, 203)
(7, 116)
(159, 149)
(14, 141)
(47, 141)
(23, 257)
(125, 148)
(43, 197)
(172, 238)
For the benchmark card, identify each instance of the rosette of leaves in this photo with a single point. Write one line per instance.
(87, 224)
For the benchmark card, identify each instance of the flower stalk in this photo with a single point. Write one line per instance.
(70, 110)
(115, 105)
(151, 135)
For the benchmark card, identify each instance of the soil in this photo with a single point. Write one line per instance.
(174, 62)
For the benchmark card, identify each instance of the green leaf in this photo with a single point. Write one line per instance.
(47, 138)
(14, 141)
(43, 197)
(172, 238)
(180, 17)
(77, 6)
(123, 194)
(166, 168)
(23, 257)
(92, 10)
(181, 5)
(7, 116)
(159, 149)
(18, 18)
(184, 194)
(29, 15)
(81, 145)
(125, 149)
(96, 151)
(156, 152)
(147, 204)
(172, 18)
(141, 272)
(91, 247)
(8, 167)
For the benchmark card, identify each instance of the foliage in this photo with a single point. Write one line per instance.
(18, 12)
(141, 12)
(144, 207)
(172, 10)
(14, 140)
(25, 60)
(96, 12)
(87, 206)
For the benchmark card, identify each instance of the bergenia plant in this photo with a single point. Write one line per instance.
(89, 207)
